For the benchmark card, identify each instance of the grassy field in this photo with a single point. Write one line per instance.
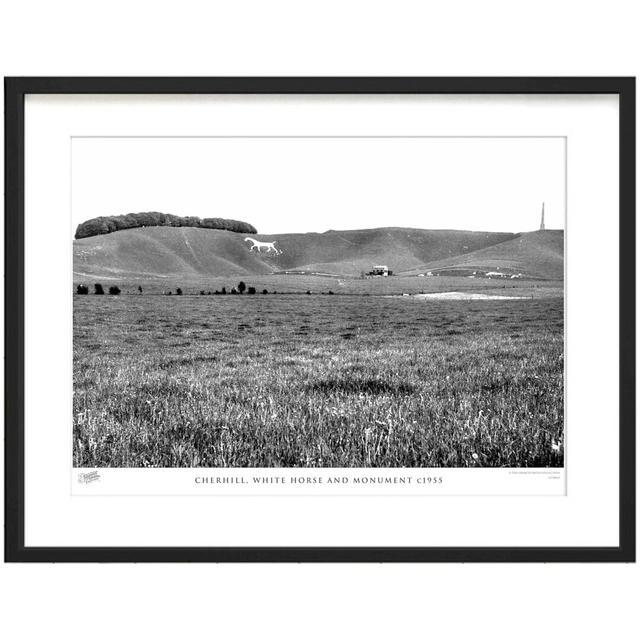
(317, 381)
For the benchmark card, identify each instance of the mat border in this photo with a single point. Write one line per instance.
(15, 91)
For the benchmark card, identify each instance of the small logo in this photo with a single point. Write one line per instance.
(88, 477)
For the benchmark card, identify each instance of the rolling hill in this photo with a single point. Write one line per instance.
(190, 254)
(538, 253)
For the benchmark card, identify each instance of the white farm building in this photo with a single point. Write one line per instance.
(379, 270)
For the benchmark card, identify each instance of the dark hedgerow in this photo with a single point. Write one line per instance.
(97, 289)
(109, 224)
(114, 290)
(82, 290)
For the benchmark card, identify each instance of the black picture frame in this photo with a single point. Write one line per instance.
(15, 91)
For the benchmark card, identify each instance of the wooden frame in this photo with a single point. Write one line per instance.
(15, 91)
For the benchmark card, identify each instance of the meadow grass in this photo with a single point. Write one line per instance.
(317, 381)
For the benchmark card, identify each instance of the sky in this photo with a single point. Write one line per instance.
(303, 184)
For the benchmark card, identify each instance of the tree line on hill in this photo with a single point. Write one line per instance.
(109, 224)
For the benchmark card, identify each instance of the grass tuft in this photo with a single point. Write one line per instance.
(371, 386)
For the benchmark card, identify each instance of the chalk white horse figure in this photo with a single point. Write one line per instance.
(270, 246)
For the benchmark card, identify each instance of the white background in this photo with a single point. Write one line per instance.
(330, 38)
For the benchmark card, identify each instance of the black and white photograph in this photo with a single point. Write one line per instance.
(320, 320)
(318, 302)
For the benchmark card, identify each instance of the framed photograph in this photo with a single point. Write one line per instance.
(320, 319)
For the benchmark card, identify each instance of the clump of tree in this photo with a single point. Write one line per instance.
(251, 291)
(140, 290)
(264, 292)
(178, 291)
(114, 291)
(98, 290)
(241, 287)
(109, 224)
(82, 290)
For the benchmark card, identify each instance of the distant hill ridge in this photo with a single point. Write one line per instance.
(191, 254)
(109, 224)
(535, 253)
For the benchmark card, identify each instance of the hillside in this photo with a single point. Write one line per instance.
(351, 252)
(165, 252)
(537, 253)
(191, 253)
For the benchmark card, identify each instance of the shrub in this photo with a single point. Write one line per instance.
(224, 291)
(114, 290)
(330, 293)
(109, 224)
(264, 292)
(140, 290)
(98, 290)
(178, 291)
(241, 287)
(201, 292)
(308, 293)
(234, 292)
(251, 290)
(82, 290)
